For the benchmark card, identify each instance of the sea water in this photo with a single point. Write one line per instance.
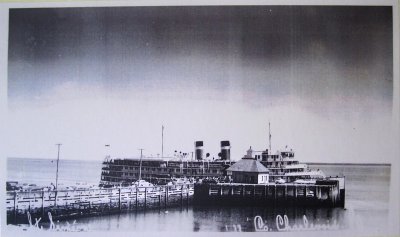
(367, 203)
(42, 172)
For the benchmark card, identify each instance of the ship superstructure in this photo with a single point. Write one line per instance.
(161, 170)
(283, 166)
(156, 170)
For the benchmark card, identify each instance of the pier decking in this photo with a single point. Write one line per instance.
(67, 204)
(326, 194)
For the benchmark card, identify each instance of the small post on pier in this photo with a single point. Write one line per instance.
(166, 196)
(187, 193)
(15, 207)
(130, 198)
(145, 197)
(55, 198)
(182, 195)
(119, 199)
(265, 192)
(42, 203)
(110, 207)
(286, 192)
(342, 197)
(159, 196)
(136, 199)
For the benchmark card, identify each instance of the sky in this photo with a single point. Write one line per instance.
(86, 77)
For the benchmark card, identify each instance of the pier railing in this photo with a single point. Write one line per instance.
(65, 204)
(329, 195)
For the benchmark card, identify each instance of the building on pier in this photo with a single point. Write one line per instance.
(249, 171)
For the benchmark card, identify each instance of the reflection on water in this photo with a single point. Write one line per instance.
(222, 219)
(230, 219)
(235, 219)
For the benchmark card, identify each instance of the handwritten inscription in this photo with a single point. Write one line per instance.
(53, 226)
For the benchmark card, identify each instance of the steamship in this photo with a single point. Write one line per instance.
(160, 170)
(282, 166)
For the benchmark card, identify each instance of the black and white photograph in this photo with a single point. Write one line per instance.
(200, 118)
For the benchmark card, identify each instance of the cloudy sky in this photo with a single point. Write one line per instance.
(86, 77)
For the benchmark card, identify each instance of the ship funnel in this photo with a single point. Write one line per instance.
(198, 150)
(264, 155)
(225, 150)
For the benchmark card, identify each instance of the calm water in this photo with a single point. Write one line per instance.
(43, 171)
(367, 197)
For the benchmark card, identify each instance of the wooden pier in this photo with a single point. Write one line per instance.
(72, 204)
(322, 194)
(68, 204)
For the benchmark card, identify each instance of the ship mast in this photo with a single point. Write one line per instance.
(58, 159)
(140, 166)
(107, 157)
(269, 129)
(162, 141)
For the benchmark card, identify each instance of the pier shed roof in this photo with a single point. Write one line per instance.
(248, 165)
